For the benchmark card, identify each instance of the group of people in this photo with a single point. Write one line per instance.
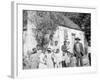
(52, 57)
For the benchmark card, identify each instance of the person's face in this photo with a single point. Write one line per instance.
(49, 52)
(65, 43)
(56, 43)
(77, 40)
(57, 50)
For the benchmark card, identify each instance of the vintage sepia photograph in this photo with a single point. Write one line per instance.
(53, 39)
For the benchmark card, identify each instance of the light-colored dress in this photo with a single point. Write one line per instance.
(42, 62)
(73, 62)
(49, 60)
(57, 59)
(66, 58)
(34, 60)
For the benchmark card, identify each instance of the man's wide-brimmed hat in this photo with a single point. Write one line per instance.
(77, 39)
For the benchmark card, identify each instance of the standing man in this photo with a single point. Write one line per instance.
(78, 51)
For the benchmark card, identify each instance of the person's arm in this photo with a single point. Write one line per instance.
(82, 50)
(74, 50)
(62, 47)
(42, 59)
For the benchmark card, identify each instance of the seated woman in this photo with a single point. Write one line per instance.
(34, 59)
(26, 63)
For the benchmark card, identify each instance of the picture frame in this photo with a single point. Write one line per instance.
(18, 28)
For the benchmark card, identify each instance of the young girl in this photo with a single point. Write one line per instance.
(49, 58)
(57, 59)
(73, 61)
(42, 63)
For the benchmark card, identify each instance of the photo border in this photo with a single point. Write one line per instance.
(16, 68)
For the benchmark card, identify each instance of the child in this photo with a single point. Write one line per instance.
(49, 58)
(42, 62)
(57, 58)
(73, 61)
